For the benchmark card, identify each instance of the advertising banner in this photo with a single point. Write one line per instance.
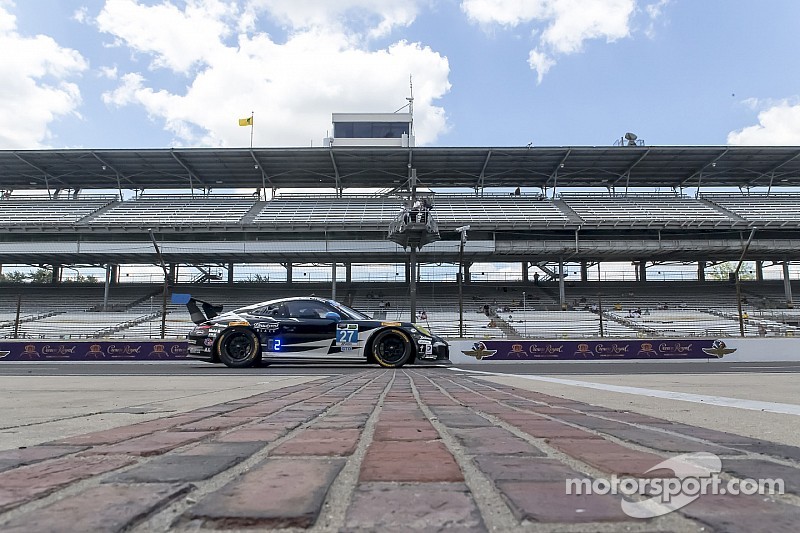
(597, 349)
(92, 350)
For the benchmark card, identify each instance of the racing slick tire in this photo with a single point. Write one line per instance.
(239, 348)
(392, 348)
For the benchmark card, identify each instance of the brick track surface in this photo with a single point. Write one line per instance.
(382, 450)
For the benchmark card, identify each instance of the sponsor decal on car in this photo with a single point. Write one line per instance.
(238, 323)
(347, 336)
(268, 327)
(425, 346)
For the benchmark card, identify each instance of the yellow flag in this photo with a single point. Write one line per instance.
(246, 121)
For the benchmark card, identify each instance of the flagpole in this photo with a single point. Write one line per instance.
(251, 129)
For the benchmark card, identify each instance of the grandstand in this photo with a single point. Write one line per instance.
(667, 309)
(533, 210)
(569, 211)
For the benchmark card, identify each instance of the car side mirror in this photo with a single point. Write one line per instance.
(330, 315)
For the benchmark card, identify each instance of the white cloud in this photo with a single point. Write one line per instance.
(778, 125)
(109, 72)
(505, 12)
(177, 39)
(540, 62)
(373, 18)
(292, 86)
(562, 26)
(654, 13)
(81, 14)
(34, 84)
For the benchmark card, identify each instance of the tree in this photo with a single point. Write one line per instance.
(41, 275)
(80, 278)
(723, 271)
(13, 277)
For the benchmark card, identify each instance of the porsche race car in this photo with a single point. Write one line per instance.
(293, 330)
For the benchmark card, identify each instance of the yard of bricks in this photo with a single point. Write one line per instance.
(383, 450)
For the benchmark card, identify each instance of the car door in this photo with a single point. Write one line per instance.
(305, 330)
(270, 324)
(315, 334)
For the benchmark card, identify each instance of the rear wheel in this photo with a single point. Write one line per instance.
(392, 348)
(239, 348)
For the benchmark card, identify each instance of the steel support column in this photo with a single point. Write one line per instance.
(333, 280)
(787, 285)
(562, 300)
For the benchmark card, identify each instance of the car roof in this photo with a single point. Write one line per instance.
(287, 299)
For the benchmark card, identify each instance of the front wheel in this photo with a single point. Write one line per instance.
(239, 348)
(392, 348)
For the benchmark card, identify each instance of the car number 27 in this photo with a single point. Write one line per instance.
(347, 335)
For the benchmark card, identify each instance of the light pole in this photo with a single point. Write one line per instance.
(524, 315)
(164, 291)
(463, 230)
(600, 312)
(736, 280)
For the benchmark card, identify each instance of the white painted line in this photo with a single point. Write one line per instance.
(723, 401)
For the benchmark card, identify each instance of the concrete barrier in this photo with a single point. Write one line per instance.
(462, 351)
(92, 350)
(656, 349)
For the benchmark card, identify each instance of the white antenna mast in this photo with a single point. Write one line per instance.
(411, 104)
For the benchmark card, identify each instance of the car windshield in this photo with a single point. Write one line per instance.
(348, 311)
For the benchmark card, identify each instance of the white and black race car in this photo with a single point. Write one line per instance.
(294, 330)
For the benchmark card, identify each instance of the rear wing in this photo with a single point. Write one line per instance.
(199, 310)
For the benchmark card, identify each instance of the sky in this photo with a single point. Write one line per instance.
(485, 73)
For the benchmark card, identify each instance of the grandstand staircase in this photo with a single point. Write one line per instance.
(727, 212)
(568, 212)
(249, 217)
(94, 214)
(766, 302)
(113, 308)
(31, 318)
(547, 298)
(641, 328)
(127, 324)
(551, 274)
(205, 276)
(507, 329)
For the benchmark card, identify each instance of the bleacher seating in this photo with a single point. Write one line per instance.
(775, 210)
(375, 213)
(501, 211)
(451, 211)
(566, 324)
(665, 309)
(645, 211)
(682, 308)
(42, 212)
(350, 212)
(181, 211)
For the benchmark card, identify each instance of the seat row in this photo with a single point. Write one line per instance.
(513, 210)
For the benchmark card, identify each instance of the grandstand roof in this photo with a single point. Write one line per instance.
(363, 167)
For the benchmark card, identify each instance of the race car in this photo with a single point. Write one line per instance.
(293, 330)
